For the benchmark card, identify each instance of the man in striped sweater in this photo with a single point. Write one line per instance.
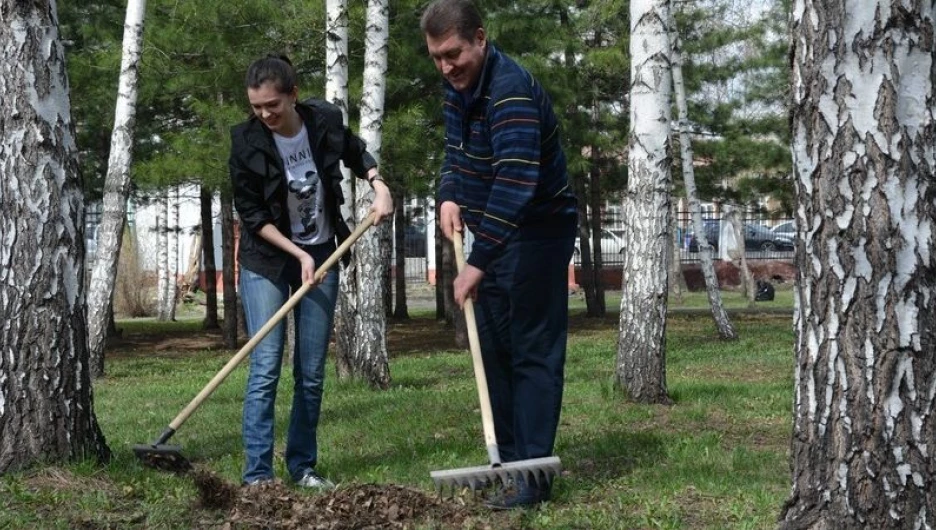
(504, 178)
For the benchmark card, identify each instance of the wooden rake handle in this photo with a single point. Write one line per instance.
(320, 273)
(474, 342)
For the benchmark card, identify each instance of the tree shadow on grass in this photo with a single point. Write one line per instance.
(610, 453)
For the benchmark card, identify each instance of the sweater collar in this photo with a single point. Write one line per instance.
(471, 95)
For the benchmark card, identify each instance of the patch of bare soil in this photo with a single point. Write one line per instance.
(166, 343)
(404, 337)
(275, 506)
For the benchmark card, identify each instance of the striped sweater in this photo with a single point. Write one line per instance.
(504, 164)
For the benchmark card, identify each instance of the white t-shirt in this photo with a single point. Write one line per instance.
(308, 214)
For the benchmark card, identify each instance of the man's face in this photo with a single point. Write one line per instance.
(459, 60)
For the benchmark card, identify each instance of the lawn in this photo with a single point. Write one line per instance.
(717, 458)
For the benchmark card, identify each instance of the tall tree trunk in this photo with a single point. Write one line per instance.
(385, 244)
(228, 272)
(116, 189)
(162, 257)
(172, 252)
(719, 315)
(369, 359)
(747, 279)
(865, 378)
(641, 351)
(596, 201)
(444, 288)
(336, 91)
(589, 273)
(591, 282)
(209, 265)
(46, 397)
(400, 310)
(677, 281)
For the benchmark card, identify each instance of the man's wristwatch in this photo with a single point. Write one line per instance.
(370, 180)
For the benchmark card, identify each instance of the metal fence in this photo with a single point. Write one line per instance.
(764, 239)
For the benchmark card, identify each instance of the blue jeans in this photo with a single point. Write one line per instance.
(313, 315)
(522, 313)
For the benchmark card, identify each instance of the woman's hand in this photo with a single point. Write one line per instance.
(382, 207)
(307, 265)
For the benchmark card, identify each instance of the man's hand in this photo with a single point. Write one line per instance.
(450, 220)
(466, 284)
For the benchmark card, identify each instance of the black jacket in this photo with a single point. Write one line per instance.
(258, 178)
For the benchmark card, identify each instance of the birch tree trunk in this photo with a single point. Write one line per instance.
(641, 350)
(162, 258)
(677, 281)
(747, 279)
(719, 315)
(336, 91)
(172, 252)
(46, 397)
(116, 189)
(369, 356)
(336, 82)
(865, 378)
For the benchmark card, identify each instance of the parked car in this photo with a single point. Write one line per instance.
(757, 238)
(610, 244)
(786, 228)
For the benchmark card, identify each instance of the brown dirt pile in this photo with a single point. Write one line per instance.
(275, 506)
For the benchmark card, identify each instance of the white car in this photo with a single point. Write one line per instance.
(610, 244)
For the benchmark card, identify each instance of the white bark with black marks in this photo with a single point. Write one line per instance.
(641, 352)
(116, 188)
(722, 320)
(865, 379)
(336, 91)
(369, 360)
(46, 398)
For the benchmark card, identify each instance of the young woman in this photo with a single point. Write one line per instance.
(285, 171)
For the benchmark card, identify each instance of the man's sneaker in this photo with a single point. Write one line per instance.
(311, 479)
(486, 485)
(523, 495)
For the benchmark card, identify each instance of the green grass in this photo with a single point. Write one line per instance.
(698, 300)
(715, 459)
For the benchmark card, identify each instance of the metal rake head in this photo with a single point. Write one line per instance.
(536, 470)
(164, 457)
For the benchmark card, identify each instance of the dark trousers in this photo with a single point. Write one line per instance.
(522, 313)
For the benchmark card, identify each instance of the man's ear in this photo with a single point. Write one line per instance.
(481, 36)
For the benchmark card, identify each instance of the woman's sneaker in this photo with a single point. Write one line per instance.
(257, 482)
(311, 479)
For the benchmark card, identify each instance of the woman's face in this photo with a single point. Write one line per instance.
(274, 108)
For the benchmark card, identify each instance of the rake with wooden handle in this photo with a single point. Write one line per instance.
(533, 469)
(169, 457)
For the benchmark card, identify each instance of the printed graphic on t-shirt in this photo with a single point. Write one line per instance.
(304, 193)
(309, 221)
